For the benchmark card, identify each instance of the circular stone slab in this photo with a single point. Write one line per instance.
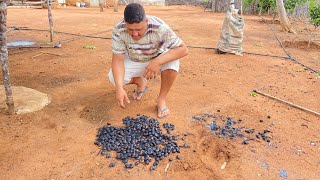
(25, 100)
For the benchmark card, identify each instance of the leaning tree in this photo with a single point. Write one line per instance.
(284, 20)
(4, 56)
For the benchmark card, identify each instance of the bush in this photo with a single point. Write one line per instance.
(315, 15)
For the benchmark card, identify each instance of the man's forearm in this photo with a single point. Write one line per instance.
(118, 71)
(172, 54)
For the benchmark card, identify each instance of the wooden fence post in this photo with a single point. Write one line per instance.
(50, 19)
(4, 56)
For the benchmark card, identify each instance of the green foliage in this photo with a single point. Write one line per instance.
(291, 4)
(262, 6)
(315, 15)
(265, 5)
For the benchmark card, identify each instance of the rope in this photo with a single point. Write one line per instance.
(58, 32)
(59, 43)
(290, 56)
(257, 54)
(81, 36)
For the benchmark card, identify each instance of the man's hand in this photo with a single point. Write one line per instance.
(122, 97)
(151, 70)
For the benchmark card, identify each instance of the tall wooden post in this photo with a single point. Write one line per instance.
(50, 20)
(4, 56)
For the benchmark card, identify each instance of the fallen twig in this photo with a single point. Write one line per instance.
(37, 55)
(52, 53)
(167, 167)
(286, 102)
(46, 53)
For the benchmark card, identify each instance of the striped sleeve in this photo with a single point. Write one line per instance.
(118, 45)
(168, 38)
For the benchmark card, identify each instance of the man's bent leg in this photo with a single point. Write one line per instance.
(133, 75)
(167, 78)
(141, 87)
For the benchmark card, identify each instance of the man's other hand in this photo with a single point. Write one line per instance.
(151, 70)
(122, 97)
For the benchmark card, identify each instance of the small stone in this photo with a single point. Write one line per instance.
(128, 166)
(283, 173)
(185, 166)
(261, 120)
(253, 150)
(68, 173)
(112, 164)
(312, 143)
(245, 142)
(266, 131)
(223, 166)
(268, 116)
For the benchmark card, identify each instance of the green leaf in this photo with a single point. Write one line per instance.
(89, 47)
(254, 94)
(317, 75)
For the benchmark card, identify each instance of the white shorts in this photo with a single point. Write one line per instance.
(135, 69)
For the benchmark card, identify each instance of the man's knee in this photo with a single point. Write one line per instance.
(169, 71)
(173, 65)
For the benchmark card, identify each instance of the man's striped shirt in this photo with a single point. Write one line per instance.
(158, 39)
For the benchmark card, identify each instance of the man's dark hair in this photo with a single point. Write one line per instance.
(134, 13)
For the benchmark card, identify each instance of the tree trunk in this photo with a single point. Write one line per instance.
(50, 20)
(101, 5)
(213, 6)
(284, 20)
(4, 56)
(115, 8)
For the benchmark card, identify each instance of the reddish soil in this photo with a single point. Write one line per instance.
(57, 142)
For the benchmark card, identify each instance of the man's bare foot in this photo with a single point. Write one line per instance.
(141, 88)
(163, 110)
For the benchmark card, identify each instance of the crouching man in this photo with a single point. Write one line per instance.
(144, 47)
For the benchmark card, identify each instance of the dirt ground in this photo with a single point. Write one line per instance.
(57, 142)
